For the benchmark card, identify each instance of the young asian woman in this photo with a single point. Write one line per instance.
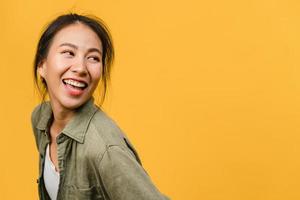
(83, 154)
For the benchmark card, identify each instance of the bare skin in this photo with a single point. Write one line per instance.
(53, 153)
(61, 118)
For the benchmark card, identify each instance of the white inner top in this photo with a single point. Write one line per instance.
(51, 176)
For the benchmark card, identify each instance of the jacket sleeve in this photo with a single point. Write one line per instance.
(124, 178)
(34, 123)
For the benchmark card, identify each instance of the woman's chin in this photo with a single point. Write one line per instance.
(73, 104)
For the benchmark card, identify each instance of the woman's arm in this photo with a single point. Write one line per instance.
(124, 178)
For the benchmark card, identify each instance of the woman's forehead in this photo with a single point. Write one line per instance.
(79, 35)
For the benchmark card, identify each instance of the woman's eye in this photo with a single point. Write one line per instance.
(94, 58)
(67, 52)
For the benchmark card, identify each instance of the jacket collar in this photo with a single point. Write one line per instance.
(76, 128)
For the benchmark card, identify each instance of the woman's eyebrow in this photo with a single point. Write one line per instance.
(94, 49)
(68, 44)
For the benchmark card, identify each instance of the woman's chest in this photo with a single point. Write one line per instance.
(79, 174)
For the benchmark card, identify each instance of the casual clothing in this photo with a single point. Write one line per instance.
(95, 159)
(51, 176)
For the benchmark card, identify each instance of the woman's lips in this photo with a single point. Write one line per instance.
(73, 90)
(75, 82)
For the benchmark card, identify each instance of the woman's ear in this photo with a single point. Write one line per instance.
(42, 69)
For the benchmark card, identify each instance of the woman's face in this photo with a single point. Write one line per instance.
(73, 66)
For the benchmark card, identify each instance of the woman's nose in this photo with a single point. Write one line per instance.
(79, 67)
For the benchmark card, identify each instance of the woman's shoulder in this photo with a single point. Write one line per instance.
(104, 129)
(39, 111)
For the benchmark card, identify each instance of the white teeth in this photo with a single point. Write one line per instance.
(74, 83)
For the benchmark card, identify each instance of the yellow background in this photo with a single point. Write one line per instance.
(208, 92)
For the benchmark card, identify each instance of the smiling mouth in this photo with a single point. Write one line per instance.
(75, 84)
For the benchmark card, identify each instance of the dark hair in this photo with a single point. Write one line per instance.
(97, 25)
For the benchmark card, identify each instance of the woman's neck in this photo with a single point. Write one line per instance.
(61, 116)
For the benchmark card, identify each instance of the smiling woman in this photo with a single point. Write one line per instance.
(83, 152)
(72, 68)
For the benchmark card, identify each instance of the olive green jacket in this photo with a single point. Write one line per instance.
(95, 159)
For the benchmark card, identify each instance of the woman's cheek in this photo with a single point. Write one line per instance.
(62, 59)
(64, 62)
(95, 72)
